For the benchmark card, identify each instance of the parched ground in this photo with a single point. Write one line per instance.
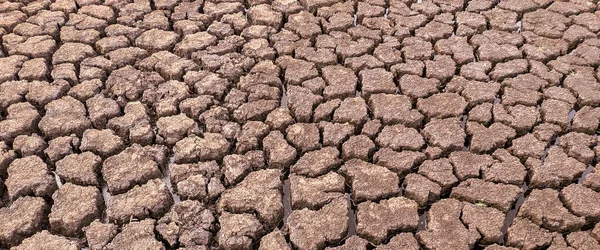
(299, 124)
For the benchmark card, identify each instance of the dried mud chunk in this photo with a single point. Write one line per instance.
(544, 208)
(512, 96)
(29, 176)
(134, 166)
(442, 67)
(439, 171)
(334, 134)
(298, 71)
(313, 193)
(111, 43)
(263, 14)
(262, 188)
(393, 108)
(468, 165)
(127, 56)
(377, 220)
(500, 196)
(458, 46)
(501, 19)
(411, 67)
(318, 162)
(65, 72)
(101, 142)
(278, 152)
(279, 119)
(12, 92)
(352, 243)
(274, 240)
(61, 146)
(577, 145)
(369, 62)
(250, 137)
(72, 53)
(174, 128)
(498, 247)
(371, 128)
(256, 110)
(546, 131)
(170, 67)
(135, 117)
(509, 69)
(188, 223)
(415, 48)
(498, 53)
(80, 169)
(203, 170)
(34, 70)
(341, 82)
(592, 180)
(557, 170)
(442, 105)
(360, 146)
(27, 145)
(74, 208)
(481, 113)
(155, 40)
(86, 36)
(445, 229)
(475, 92)
(33, 47)
(236, 167)
(401, 163)
(580, 201)
(400, 241)
(47, 240)
(523, 234)
(23, 218)
(347, 48)
(507, 169)
(582, 240)
(85, 90)
(376, 81)
(301, 102)
(545, 23)
(521, 118)
(21, 119)
(63, 117)
(6, 157)
(399, 137)
(212, 146)
(369, 181)
(352, 110)
(418, 87)
(304, 136)
(485, 139)
(136, 235)
(152, 199)
(238, 231)
(446, 134)
(102, 109)
(487, 220)
(98, 234)
(586, 120)
(313, 229)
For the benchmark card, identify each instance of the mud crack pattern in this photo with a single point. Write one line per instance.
(299, 124)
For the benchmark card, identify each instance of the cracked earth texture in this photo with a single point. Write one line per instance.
(299, 124)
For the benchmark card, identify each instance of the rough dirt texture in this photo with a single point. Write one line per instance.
(299, 124)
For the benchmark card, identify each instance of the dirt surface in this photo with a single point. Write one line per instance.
(299, 124)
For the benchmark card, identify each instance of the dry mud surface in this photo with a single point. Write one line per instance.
(299, 124)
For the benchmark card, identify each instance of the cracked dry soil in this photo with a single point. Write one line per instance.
(299, 124)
